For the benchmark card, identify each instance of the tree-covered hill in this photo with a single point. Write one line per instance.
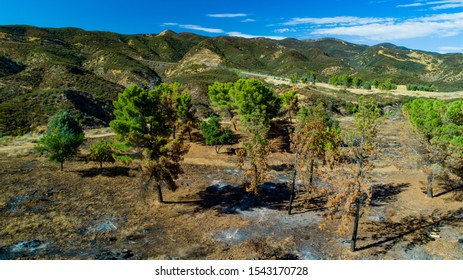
(46, 69)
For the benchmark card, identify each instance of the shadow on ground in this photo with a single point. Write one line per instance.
(386, 193)
(413, 230)
(115, 171)
(454, 190)
(230, 199)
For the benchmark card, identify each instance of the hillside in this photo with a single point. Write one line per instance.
(44, 69)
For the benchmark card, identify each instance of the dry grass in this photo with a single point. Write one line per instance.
(84, 215)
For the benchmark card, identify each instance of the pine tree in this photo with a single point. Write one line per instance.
(144, 120)
(254, 158)
(62, 138)
(290, 103)
(215, 135)
(220, 95)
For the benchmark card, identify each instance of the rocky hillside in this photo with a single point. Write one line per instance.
(45, 69)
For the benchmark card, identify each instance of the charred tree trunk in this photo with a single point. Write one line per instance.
(356, 225)
(312, 163)
(293, 193)
(189, 134)
(160, 198)
(255, 191)
(429, 189)
(357, 202)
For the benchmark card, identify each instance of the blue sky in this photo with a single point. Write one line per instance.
(430, 25)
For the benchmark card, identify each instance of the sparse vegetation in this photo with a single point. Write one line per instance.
(308, 166)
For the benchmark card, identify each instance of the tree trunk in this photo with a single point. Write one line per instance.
(61, 166)
(101, 167)
(356, 225)
(189, 134)
(293, 193)
(357, 202)
(160, 198)
(429, 190)
(312, 163)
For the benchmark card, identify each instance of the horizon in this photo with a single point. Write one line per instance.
(431, 26)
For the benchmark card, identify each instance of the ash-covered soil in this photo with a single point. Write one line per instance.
(81, 214)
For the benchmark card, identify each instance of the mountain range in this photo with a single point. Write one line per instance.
(45, 69)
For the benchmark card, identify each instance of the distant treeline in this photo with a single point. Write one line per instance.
(357, 82)
(421, 88)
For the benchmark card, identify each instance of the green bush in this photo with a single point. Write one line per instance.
(215, 135)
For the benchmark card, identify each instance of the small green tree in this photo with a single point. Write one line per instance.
(102, 152)
(388, 84)
(254, 158)
(357, 82)
(215, 135)
(346, 80)
(62, 138)
(334, 80)
(294, 78)
(290, 103)
(186, 119)
(367, 85)
(253, 96)
(221, 99)
(312, 76)
(176, 104)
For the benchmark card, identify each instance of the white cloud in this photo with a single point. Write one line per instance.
(200, 28)
(227, 15)
(419, 4)
(450, 49)
(441, 25)
(248, 36)
(248, 20)
(343, 20)
(194, 27)
(435, 5)
(284, 30)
